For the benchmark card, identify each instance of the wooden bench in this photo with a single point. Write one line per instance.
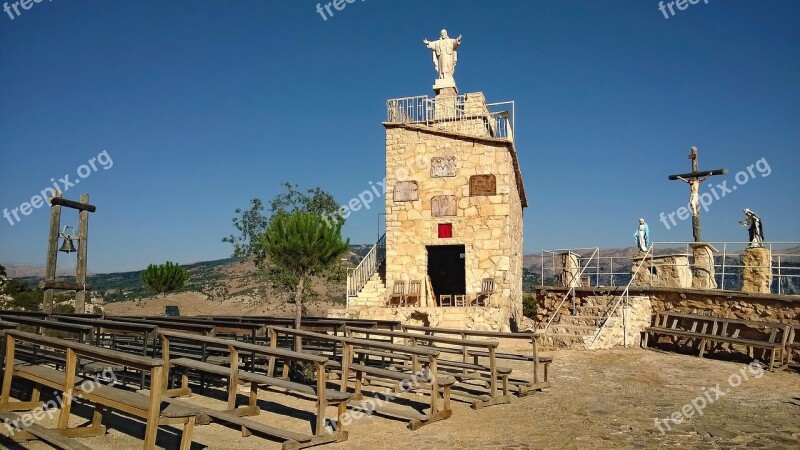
(36, 355)
(423, 360)
(771, 337)
(72, 386)
(324, 397)
(116, 330)
(34, 431)
(540, 363)
(463, 371)
(166, 324)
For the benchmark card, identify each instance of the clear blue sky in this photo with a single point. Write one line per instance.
(202, 105)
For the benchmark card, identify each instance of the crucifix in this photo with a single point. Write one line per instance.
(694, 179)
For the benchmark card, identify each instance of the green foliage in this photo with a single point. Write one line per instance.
(2, 271)
(529, 306)
(253, 223)
(164, 278)
(25, 297)
(301, 244)
(63, 308)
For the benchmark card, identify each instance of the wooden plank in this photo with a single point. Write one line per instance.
(49, 436)
(64, 285)
(50, 324)
(99, 353)
(83, 234)
(260, 349)
(72, 204)
(419, 351)
(227, 417)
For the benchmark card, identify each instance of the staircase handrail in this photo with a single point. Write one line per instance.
(570, 291)
(358, 276)
(625, 295)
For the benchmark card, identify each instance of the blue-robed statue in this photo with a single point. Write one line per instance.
(642, 236)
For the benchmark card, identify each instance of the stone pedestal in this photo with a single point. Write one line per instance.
(570, 270)
(662, 271)
(757, 272)
(703, 268)
(445, 86)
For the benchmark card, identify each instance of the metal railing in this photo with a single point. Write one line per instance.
(455, 114)
(613, 271)
(570, 293)
(626, 297)
(357, 277)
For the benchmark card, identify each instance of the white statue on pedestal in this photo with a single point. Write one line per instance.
(445, 57)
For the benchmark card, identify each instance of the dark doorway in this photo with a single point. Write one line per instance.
(446, 269)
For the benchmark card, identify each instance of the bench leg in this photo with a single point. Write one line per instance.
(186, 437)
(36, 393)
(97, 416)
(232, 394)
(357, 395)
(185, 379)
(505, 385)
(8, 370)
(702, 348)
(446, 401)
(772, 360)
(154, 407)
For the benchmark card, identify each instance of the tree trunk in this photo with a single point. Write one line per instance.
(298, 311)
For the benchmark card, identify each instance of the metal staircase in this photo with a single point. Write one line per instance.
(372, 262)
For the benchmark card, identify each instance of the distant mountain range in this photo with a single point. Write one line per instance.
(31, 271)
(229, 277)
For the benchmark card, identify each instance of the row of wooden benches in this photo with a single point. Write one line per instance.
(354, 359)
(774, 340)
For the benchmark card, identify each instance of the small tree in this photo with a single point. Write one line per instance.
(2, 271)
(252, 223)
(301, 244)
(164, 278)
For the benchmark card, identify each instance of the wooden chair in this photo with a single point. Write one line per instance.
(398, 293)
(445, 300)
(414, 294)
(487, 289)
(460, 300)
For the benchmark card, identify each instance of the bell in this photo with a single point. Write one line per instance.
(67, 246)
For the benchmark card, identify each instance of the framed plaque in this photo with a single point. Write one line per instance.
(406, 191)
(443, 205)
(482, 185)
(443, 167)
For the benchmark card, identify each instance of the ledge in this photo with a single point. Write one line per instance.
(706, 292)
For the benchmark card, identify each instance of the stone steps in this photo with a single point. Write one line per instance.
(574, 328)
(580, 330)
(595, 321)
(562, 341)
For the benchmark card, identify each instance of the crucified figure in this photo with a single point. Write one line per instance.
(694, 192)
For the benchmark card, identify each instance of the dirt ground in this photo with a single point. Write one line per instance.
(195, 304)
(602, 399)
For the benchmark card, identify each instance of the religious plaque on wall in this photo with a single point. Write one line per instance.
(482, 185)
(406, 191)
(443, 167)
(443, 205)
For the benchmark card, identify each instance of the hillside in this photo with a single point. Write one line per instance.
(221, 281)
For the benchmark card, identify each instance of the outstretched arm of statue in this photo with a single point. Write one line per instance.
(681, 178)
